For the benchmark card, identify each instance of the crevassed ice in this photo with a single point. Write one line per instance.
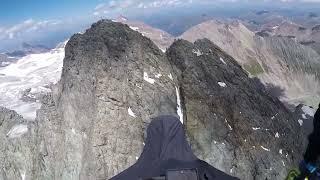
(33, 71)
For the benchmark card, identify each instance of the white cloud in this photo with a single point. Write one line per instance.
(26, 26)
(99, 6)
(121, 5)
(96, 13)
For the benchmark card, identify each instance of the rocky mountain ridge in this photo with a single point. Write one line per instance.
(278, 61)
(114, 80)
(293, 70)
(303, 35)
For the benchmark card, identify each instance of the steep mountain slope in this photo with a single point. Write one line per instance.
(233, 37)
(92, 126)
(303, 29)
(226, 113)
(275, 60)
(22, 82)
(161, 38)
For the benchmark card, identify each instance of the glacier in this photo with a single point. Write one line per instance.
(36, 72)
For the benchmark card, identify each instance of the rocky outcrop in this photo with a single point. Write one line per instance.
(92, 126)
(233, 124)
(113, 80)
(17, 146)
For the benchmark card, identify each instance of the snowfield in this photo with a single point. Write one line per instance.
(35, 71)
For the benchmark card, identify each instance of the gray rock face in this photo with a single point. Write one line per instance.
(17, 146)
(113, 81)
(232, 124)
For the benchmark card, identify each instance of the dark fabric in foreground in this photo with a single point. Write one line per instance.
(313, 150)
(165, 149)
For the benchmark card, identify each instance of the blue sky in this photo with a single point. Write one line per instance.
(15, 11)
(42, 21)
(50, 21)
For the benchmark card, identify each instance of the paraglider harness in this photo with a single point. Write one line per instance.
(181, 174)
(311, 172)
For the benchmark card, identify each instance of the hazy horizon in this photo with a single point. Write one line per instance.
(48, 23)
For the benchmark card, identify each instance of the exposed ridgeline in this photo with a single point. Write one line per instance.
(114, 80)
(279, 61)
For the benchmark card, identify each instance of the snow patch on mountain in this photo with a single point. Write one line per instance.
(17, 131)
(197, 52)
(134, 28)
(308, 111)
(147, 78)
(264, 148)
(131, 113)
(222, 84)
(179, 109)
(222, 60)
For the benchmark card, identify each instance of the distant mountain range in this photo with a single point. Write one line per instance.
(278, 59)
(26, 49)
